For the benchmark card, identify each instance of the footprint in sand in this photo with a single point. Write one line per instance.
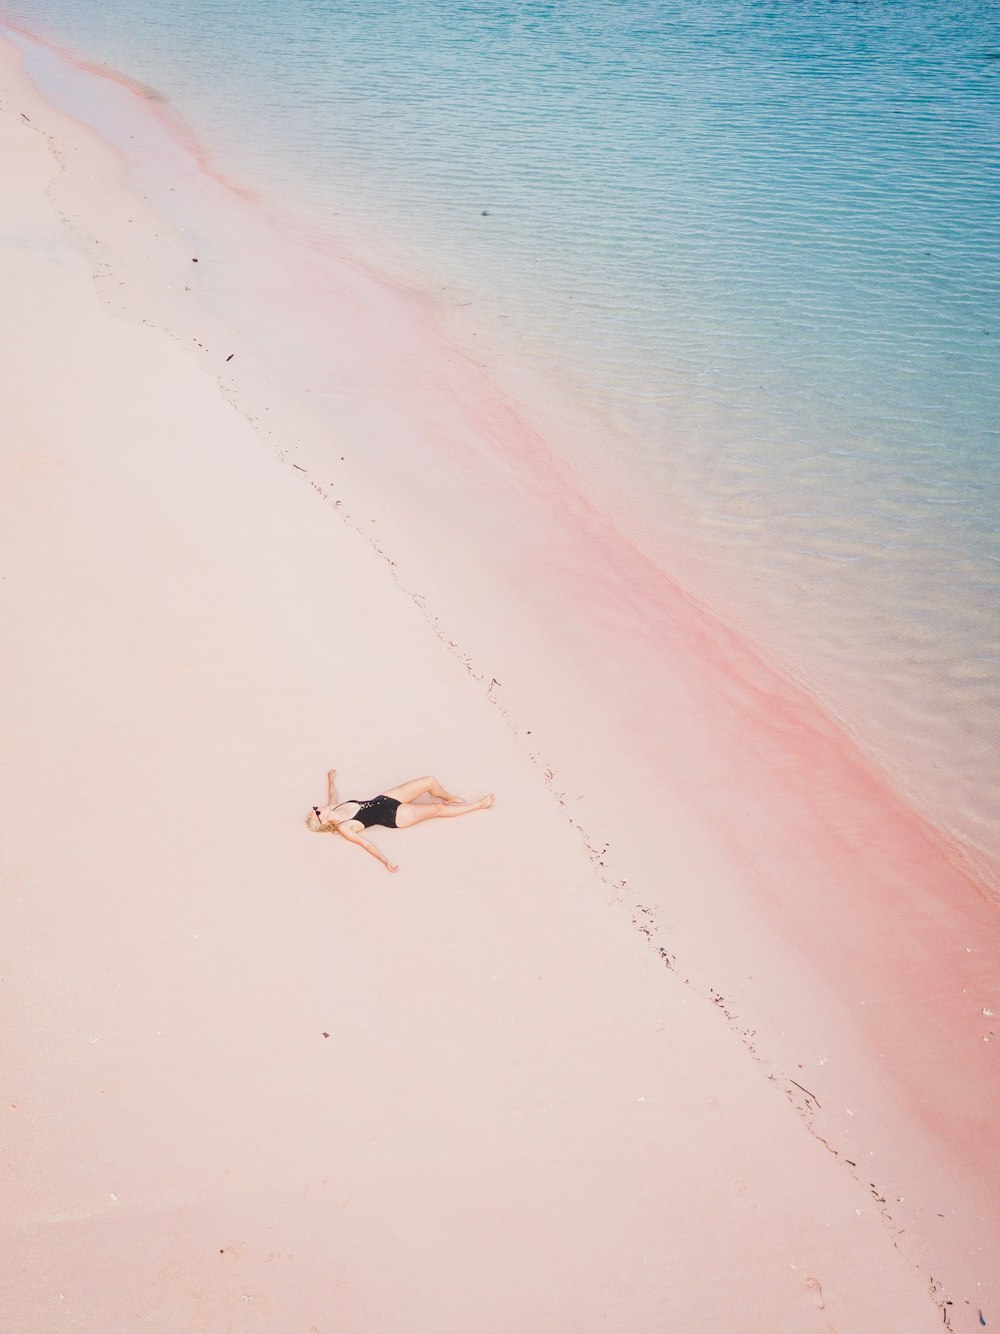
(741, 1190)
(816, 1288)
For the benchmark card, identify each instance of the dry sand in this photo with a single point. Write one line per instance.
(256, 1083)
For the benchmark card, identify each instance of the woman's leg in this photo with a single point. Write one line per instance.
(421, 787)
(408, 814)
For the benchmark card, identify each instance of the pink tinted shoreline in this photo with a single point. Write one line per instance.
(767, 820)
(372, 277)
(838, 698)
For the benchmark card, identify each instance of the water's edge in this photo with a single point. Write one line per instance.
(814, 463)
(300, 364)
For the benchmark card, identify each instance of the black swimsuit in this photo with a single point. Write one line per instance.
(379, 810)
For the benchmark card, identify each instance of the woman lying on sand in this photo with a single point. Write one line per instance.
(398, 808)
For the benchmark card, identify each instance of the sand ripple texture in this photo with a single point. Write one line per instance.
(741, 260)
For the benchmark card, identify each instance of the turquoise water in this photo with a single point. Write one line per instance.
(744, 258)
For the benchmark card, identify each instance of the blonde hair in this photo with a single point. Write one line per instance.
(319, 826)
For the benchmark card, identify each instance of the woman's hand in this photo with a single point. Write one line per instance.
(353, 836)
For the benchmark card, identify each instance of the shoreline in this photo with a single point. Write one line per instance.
(347, 265)
(726, 857)
(926, 735)
(158, 148)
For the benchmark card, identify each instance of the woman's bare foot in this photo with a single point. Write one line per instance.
(485, 803)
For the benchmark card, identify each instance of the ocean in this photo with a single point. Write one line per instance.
(741, 262)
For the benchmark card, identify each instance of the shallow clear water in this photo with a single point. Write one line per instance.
(749, 251)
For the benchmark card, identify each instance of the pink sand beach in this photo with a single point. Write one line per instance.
(695, 1030)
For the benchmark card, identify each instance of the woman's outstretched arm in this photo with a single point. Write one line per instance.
(368, 847)
(332, 799)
